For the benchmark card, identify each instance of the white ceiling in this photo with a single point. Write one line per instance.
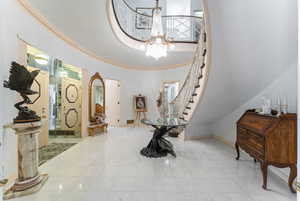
(87, 24)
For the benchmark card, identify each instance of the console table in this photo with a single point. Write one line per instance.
(271, 140)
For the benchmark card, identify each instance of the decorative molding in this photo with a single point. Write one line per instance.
(40, 18)
(67, 115)
(69, 99)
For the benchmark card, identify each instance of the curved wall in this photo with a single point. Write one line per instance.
(253, 45)
(86, 26)
(1, 92)
(16, 21)
(254, 50)
(134, 44)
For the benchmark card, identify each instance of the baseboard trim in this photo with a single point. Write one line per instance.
(186, 138)
(224, 141)
(276, 172)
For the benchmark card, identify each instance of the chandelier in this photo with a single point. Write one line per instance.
(157, 46)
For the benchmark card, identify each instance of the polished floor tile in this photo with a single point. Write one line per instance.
(110, 168)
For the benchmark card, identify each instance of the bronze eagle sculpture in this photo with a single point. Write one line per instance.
(21, 80)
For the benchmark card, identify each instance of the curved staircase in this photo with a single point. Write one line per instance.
(193, 87)
(181, 30)
(191, 92)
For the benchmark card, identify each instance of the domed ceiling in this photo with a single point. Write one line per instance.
(87, 24)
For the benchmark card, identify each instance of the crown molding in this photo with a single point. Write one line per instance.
(41, 19)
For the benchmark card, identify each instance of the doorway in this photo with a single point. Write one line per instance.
(65, 101)
(58, 102)
(112, 100)
(170, 91)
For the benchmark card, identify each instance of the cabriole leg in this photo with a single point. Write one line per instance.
(237, 151)
(292, 177)
(264, 170)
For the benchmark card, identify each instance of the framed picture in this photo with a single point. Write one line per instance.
(142, 21)
(140, 104)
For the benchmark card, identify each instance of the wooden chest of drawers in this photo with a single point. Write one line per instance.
(269, 140)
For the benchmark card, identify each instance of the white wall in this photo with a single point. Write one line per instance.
(285, 85)
(298, 103)
(189, 5)
(134, 83)
(196, 5)
(1, 90)
(9, 54)
(253, 44)
(18, 21)
(178, 7)
(148, 4)
(254, 54)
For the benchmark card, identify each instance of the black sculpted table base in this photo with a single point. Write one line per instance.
(159, 146)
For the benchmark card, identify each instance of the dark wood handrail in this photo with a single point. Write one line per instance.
(117, 19)
(164, 16)
(150, 16)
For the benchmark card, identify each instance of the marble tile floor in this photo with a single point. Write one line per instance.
(110, 168)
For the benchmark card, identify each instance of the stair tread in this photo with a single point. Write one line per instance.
(205, 37)
(204, 52)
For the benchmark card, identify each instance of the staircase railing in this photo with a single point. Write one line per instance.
(137, 24)
(185, 101)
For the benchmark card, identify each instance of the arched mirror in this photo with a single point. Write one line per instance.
(96, 99)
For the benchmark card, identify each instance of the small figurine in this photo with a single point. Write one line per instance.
(274, 112)
(21, 80)
(100, 118)
(266, 107)
(284, 106)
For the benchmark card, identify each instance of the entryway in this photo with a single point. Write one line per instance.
(58, 102)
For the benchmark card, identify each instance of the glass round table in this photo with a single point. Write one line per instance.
(159, 146)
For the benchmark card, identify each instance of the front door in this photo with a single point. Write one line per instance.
(71, 105)
(40, 102)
